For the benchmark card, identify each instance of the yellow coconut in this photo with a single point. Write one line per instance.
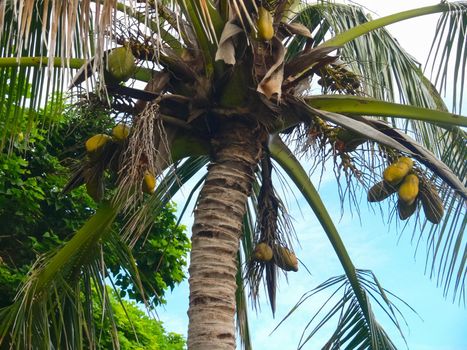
(120, 132)
(285, 259)
(121, 64)
(262, 252)
(406, 160)
(265, 24)
(431, 203)
(149, 182)
(380, 191)
(408, 190)
(96, 142)
(396, 172)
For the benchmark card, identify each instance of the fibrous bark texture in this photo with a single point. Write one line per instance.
(216, 234)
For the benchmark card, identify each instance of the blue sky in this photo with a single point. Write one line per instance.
(440, 325)
(372, 244)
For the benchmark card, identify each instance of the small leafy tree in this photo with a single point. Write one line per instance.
(136, 331)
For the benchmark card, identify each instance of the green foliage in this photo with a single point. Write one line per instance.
(36, 217)
(136, 331)
(163, 251)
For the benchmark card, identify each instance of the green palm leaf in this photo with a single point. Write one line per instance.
(448, 54)
(358, 105)
(388, 72)
(54, 281)
(54, 284)
(444, 258)
(353, 331)
(355, 308)
(26, 34)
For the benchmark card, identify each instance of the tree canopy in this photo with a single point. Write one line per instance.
(36, 218)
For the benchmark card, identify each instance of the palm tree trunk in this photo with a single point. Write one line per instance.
(216, 234)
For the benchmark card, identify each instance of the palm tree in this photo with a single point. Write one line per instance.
(230, 85)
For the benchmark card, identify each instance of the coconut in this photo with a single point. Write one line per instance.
(265, 24)
(96, 142)
(406, 160)
(149, 182)
(408, 190)
(285, 259)
(431, 203)
(95, 187)
(396, 172)
(121, 65)
(406, 210)
(380, 191)
(262, 252)
(120, 132)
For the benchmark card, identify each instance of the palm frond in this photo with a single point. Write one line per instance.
(353, 330)
(207, 24)
(357, 290)
(388, 72)
(40, 40)
(42, 31)
(54, 284)
(241, 307)
(358, 105)
(55, 280)
(448, 55)
(138, 221)
(393, 75)
(450, 182)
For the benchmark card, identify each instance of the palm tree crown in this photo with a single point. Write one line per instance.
(229, 84)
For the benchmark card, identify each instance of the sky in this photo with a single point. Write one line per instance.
(372, 244)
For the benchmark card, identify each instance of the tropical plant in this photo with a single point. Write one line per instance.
(230, 85)
(36, 218)
(135, 329)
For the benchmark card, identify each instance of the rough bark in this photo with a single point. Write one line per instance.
(216, 234)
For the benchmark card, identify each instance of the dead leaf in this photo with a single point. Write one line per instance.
(272, 81)
(226, 49)
(301, 64)
(298, 29)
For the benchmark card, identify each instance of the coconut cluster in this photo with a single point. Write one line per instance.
(281, 256)
(101, 149)
(400, 177)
